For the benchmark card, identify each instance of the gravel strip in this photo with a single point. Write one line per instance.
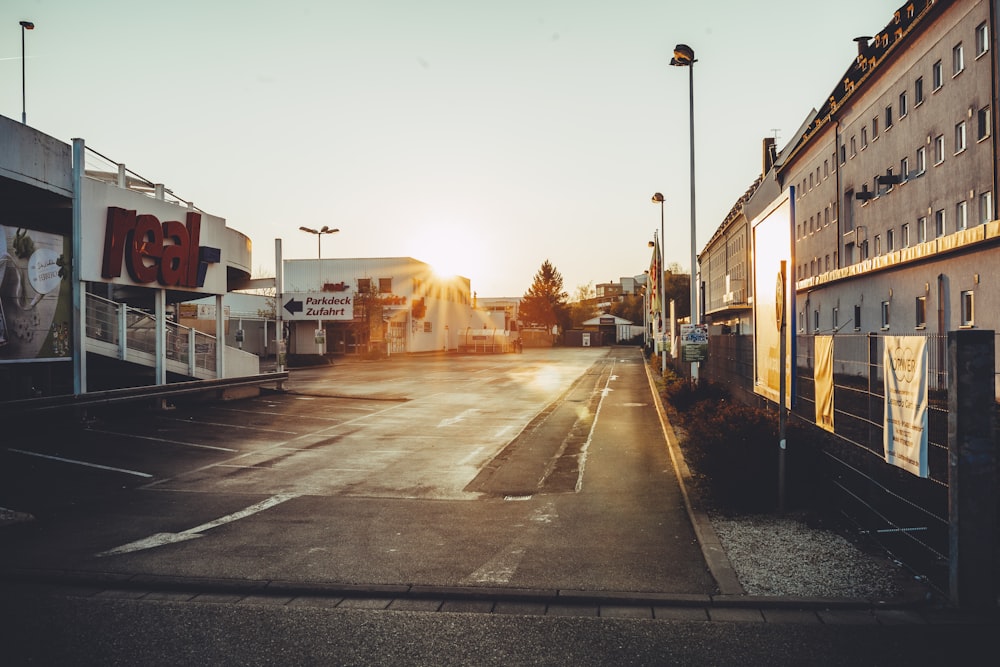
(782, 556)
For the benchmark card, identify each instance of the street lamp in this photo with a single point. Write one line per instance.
(684, 57)
(319, 273)
(25, 25)
(658, 199)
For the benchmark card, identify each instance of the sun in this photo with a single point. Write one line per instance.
(446, 249)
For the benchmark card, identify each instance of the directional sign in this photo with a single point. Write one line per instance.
(317, 306)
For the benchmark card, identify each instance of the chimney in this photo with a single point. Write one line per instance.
(862, 43)
(770, 154)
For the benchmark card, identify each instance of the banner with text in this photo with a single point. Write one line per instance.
(904, 368)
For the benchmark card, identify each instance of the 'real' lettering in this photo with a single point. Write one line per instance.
(167, 253)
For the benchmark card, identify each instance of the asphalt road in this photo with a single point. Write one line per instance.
(529, 500)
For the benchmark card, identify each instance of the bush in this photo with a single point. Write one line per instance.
(733, 450)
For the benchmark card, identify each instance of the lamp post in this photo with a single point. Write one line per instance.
(319, 273)
(658, 199)
(25, 25)
(684, 57)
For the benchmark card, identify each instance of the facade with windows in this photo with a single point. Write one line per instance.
(894, 181)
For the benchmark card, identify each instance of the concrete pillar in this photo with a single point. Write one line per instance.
(972, 470)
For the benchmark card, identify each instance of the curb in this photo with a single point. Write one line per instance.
(711, 547)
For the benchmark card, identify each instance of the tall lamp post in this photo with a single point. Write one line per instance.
(684, 57)
(658, 199)
(25, 25)
(319, 273)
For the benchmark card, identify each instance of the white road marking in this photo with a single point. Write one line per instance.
(473, 454)
(224, 425)
(451, 421)
(159, 539)
(590, 436)
(79, 463)
(498, 570)
(166, 440)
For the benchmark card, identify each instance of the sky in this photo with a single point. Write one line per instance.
(481, 137)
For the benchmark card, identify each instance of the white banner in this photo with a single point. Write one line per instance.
(904, 368)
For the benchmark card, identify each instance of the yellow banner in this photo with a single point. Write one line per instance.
(823, 377)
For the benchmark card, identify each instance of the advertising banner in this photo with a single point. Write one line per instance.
(694, 342)
(772, 244)
(904, 369)
(823, 377)
(36, 305)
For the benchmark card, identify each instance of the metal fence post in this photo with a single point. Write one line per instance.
(972, 469)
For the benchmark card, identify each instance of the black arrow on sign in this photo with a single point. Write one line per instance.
(293, 306)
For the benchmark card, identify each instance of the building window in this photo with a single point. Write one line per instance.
(957, 59)
(874, 128)
(968, 308)
(939, 149)
(864, 138)
(961, 215)
(857, 318)
(843, 154)
(826, 168)
(921, 309)
(878, 245)
(937, 74)
(982, 39)
(922, 229)
(985, 207)
(904, 235)
(815, 320)
(939, 223)
(904, 169)
(921, 159)
(834, 317)
(385, 285)
(364, 285)
(903, 107)
(918, 91)
(428, 326)
(854, 147)
(984, 122)
(826, 266)
(890, 240)
(888, 117)
(960, 137)
(885, 314)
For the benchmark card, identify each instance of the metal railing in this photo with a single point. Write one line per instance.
(132, 330)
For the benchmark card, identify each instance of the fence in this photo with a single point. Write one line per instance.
(906, 514)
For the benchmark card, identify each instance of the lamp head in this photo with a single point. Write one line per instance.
(657, 198)
(683, 56)
(27, 25)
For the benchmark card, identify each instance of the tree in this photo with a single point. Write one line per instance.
(583, 308)
(544, 304)
(677, 286)
(629, 308)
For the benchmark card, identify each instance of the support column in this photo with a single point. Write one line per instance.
(972, 470)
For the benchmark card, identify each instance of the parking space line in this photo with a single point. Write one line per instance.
(166, 440)
(79, 463)
(252, 428)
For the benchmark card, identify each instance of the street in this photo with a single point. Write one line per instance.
(530, 495)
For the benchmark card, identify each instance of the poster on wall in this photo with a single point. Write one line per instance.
(694, 342)
(904, 365)
(823, 378)
(772, 244)
(35, 295)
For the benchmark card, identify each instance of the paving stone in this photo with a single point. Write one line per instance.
(365, 603)
(173, 596)
(408, 604)
(558, 609)
(274, 600)
(625, 611)
(520, 608)
(736, 615)
(680, 613)
(316, 601)
(220, 598)
(468, 606)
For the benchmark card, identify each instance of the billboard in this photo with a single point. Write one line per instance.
(36, 307)
(772, 244)
(904, 365)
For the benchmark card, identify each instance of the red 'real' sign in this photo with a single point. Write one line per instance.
(167, 253)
